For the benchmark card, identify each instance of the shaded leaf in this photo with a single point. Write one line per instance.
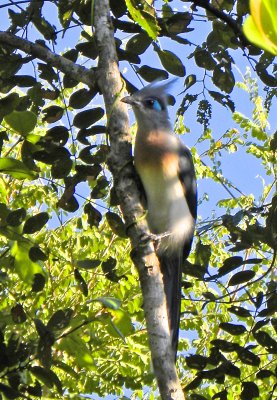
(116, 224)
(249, 391)
(99, 189)
(36, 254)
(48, 377)
(16, 217)
(265, 340)
(52, 114)
(264, 373)
(68, 204)
(194, 384)
(60, 319)
(35, 223)
(94, 216)
(139, 43)
(88, 264)
(204, 59)
(18, 314)
(81, 282)
(247, 357)
(239, 311)
(220, 395)
(8, 104)
(38, 283)
(233, 329)
(86, 118)
(171, 62)
(241, 277)
(149, 74)
(225, 345)
(81, 98)
(230, 264)
(196, 361)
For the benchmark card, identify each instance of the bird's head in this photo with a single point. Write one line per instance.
(150, 105)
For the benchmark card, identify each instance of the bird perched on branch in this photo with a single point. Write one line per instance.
(164, 165)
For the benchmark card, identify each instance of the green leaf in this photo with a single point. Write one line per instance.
(48, 377)
(8, 104)
(196, 361)
(233, 329)
(223, 78)
(249, 391)
(241, 277)
(94, 216)
(116, 224)
(16, 169)
(149, 74)
(18, 314)
(171, 62)
(139, 43)
(88, 264)
(109, 302)
(240, 311)
(260, 27)
(86, 118)
(144, 15)
(76, 347)
(35, 223)
(15, 218)
(60, 319)
(9, 393)
(247, 357)
(121, 324)
(81, 282)
(190, 81)
(81, 98)
(24, 267)
(204, 59)
(22, 122)
(52, 114)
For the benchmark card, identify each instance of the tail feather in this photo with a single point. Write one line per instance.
(171, 267)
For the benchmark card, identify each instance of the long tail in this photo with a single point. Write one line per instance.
(171, 267)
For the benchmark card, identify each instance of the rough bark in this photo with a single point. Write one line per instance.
(120, 162)
(75, 71)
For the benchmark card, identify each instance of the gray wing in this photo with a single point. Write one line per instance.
(188, 179)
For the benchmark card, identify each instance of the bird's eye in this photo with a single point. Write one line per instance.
(153, 104)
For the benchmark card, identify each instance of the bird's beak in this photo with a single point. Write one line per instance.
(129, 100)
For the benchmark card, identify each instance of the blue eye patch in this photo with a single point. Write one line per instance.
(153, 104)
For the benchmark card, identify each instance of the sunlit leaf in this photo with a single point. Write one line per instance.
(260, 26)
(22, 122)
(144, 16)
(16, 169)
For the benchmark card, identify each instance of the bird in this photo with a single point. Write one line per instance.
(165, 168)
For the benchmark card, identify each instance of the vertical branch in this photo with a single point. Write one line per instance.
(121, 166)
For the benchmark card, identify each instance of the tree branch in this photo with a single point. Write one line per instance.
(75, 71)
(224, 17)
(121, 166)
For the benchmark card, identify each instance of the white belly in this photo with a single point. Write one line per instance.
(168, 210)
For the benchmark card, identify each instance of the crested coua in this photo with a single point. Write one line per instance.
(166, 170)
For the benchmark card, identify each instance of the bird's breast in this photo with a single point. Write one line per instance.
(168, 211)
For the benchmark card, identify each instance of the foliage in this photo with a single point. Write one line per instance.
(259, 27)
(71, 314)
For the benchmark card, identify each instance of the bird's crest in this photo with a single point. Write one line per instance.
(157, 88)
